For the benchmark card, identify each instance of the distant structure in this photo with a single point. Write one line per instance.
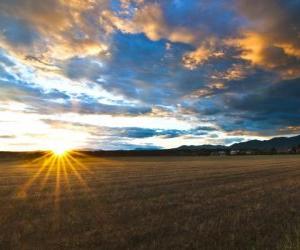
(218, 153)
(294, 150)
(234, 152)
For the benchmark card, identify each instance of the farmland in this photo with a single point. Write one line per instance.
(242, 202)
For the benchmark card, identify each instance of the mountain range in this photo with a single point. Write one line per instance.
(278, 143)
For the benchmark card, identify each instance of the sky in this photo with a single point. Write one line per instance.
(126, 74)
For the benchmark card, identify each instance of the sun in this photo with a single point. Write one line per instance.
(60, 150)
(62, 142)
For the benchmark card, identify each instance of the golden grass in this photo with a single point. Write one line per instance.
(76, 202)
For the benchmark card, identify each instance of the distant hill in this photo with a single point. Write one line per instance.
(279, 143)
(202, 147)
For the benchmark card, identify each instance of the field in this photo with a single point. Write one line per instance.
(247, 202)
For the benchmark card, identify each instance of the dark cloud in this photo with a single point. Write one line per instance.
(165, 133)
(145, 133)
(205, 128)
(274, 27)
(282, 97)
(273, 107)
(119, 145)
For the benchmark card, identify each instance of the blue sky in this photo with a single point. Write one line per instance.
(125, 74)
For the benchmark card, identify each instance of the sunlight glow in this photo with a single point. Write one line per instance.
(60, 142)
(59, 169)
(59, 151)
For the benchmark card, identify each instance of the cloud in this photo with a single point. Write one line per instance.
(166, 133)
(145, 133)
(130, 132)
(272, 108)
(272, 37)
(82, 67)
(148, 19)
(52, 101)
(193, 59)
(51, 30)
(17, 33)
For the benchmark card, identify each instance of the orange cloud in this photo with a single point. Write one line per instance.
(260, 49)
(62, 29)
(147, 19)
(252, 45)
(272, 38)
(192, 60)
(236, 72)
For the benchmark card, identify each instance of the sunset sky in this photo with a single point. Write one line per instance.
(125, 74)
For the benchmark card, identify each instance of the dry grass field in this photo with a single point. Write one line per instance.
(249, 202)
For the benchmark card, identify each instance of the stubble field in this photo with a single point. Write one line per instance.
(247, 202)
